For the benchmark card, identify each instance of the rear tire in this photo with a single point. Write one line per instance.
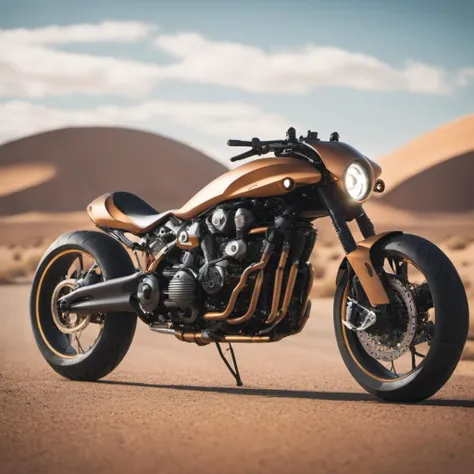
(118, 328)
(450, 333)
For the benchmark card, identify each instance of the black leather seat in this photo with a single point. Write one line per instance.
(125, 211)
(132, 205)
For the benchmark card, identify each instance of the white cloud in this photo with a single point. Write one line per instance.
(33, 65)
(106, 31)
(38, 72)
(30, 65)
(465, 76)
(216, 121)
(254, 70)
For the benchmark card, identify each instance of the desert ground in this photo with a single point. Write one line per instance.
(172, 407)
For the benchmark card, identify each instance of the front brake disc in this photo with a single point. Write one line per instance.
(387, 348)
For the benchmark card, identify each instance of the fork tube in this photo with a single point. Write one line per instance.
(339, 223)
(365, 225)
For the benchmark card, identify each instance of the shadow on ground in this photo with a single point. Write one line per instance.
(301, 394)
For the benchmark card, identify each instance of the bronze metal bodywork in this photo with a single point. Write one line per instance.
(105, 213)
(361, 261)
(337, 156)
(259, 178)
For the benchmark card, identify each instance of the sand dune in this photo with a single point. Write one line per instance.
(15, 178)
(91, 161)
(433, 174)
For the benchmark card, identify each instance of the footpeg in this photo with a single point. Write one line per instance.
(369, 320)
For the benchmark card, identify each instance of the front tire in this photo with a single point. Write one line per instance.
(450, 329)
(117, 330)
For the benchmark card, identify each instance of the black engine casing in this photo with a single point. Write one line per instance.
(182, 289)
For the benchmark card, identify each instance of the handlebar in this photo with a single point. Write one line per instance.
(244, 155)
(255, 142)
(238, 143)
(258, 147)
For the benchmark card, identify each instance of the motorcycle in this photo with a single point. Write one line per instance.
(232, 266)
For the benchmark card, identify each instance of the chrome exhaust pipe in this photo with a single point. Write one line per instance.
(163, 330)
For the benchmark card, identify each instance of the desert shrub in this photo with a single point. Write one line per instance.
(319, 271)
(37, 242)
(16, 256)
(456, 242)
(323, 288)
(9, 273)
(5, 278)
(31, 261)
(22, 266)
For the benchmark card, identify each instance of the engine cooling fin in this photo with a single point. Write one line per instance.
(182, 289)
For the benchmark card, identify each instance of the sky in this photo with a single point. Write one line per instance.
(381, 73)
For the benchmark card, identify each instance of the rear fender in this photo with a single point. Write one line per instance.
(361, 261)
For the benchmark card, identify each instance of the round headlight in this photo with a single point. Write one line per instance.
(356, 181)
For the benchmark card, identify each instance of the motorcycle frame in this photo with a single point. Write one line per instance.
(327, 198)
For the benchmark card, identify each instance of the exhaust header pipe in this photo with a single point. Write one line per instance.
(202, 338)
(108, 296)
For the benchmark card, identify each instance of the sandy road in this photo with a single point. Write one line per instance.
(172, 408)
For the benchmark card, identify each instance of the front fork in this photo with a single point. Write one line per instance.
(359, 255)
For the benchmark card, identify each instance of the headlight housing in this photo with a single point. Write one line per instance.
(357, 181)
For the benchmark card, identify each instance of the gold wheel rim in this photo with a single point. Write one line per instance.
(37, 304)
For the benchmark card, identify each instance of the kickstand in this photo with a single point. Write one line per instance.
(233, 370)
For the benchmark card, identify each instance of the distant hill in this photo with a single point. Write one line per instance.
(63, 170)
(433, 173)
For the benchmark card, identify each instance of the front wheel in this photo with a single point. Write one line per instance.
(416, 341)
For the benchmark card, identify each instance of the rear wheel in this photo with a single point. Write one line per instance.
(412, 349)
(80, 347)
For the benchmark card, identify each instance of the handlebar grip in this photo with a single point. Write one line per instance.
(242, 156)
(238, 143)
